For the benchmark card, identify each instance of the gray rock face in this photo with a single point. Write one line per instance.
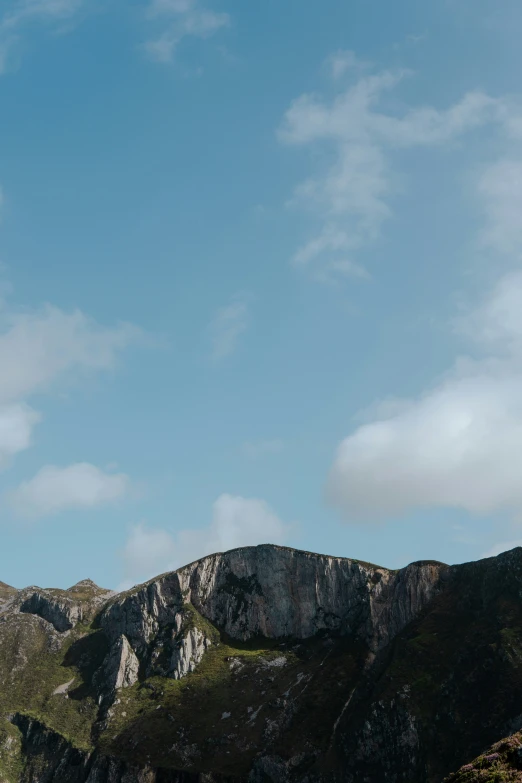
(62, 613)
(277, 592)
(188, 654)
(177, 647)
(62, 608)
(402, 597)
(121, 667)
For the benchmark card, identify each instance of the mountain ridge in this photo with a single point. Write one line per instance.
(281, 547)
(264, 664)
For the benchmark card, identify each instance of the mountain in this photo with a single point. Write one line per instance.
(267, 665)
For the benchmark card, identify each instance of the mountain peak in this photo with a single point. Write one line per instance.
(297, 667)
(87, 586)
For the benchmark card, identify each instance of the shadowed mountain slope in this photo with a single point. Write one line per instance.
(264, 664)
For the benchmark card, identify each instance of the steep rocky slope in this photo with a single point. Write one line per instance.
(263, 664)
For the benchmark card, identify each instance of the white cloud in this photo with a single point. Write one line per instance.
(228, 325)
(352, 195)
(460, 444)
(148, 552)
(42, 350)
(236, 522)
(183, 18)
(39, 348)
(16, 425)
(54, 489)
(352, 117)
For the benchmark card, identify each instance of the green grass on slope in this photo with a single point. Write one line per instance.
(241, 699)
(33, 665)
(10, 753)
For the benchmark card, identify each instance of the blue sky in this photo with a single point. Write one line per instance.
(260, 282)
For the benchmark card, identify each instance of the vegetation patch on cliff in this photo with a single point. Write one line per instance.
(502, 762)
(242, 698)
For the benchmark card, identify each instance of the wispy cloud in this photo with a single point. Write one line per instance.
(170, 21)
(353, 196)
(227, 326)
(19, 14)
(26, 10)
(180, 19)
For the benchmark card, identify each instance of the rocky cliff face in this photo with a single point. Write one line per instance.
(277, 592)
(262, 665)
(51, 758)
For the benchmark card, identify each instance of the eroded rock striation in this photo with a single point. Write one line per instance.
(262, 665)
(278, 592)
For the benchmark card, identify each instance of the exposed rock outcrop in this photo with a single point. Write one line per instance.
(62, 613)
(120, 669)
(188, 653)
(264, 665)
(277, 592)
(62, 608)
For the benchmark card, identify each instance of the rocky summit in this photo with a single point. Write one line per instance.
(267, 665)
